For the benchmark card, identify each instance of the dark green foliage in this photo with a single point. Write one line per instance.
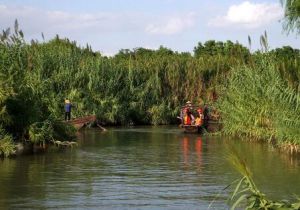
(7, 147)
(25, 96)
(228, 48)
(40, 132)
(50, 131)
(62, 131)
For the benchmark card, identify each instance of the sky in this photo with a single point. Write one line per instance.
(111, 25)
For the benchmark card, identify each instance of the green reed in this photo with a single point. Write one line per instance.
(143, 86)
(259, 103)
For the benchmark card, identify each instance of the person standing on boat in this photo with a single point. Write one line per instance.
(68, 107)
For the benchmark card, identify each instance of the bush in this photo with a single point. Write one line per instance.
(49, 131)
(7, 147)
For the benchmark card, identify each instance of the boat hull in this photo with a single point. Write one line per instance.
(192, 129)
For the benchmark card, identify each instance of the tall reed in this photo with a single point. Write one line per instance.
(143, 86)
(259, 103)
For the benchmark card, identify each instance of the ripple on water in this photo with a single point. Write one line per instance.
(138, 168)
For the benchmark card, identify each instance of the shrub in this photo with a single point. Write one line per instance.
(7, 147)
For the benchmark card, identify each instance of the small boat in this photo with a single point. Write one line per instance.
(192, 118)
(82, 121)
(192, 129)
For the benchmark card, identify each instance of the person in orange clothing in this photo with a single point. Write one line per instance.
(187, 117)
(199, 119)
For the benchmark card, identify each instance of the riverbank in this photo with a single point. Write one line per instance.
(12, 149)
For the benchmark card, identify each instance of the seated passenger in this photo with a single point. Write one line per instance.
(186, 118)
(199, 119)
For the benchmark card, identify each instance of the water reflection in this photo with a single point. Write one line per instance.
(199, 151)
(156, 168)
(185, 148)
(192, 147)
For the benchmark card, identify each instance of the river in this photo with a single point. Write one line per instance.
(142, 168)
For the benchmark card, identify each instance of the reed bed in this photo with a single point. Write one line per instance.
(258, 97)
(260, 103)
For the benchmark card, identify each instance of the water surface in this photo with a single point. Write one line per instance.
(142, 168)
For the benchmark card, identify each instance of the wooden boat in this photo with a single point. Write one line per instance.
(211, 127)
(79, 123)
(195, 112)
(82, 121)
(192, 129)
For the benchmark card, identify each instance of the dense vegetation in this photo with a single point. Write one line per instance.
(143, 86)
(262, 101)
